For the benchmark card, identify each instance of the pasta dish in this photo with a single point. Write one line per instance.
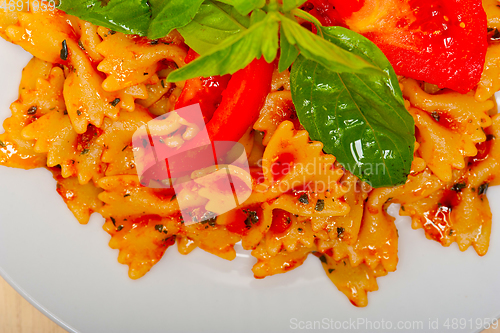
(341, 109)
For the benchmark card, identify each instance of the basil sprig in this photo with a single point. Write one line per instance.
(344, 89)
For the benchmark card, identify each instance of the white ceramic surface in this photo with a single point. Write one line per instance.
(68, 271)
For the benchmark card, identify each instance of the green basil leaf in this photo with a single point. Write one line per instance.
(289, 5)
(214, 22)
(360, 118)
(235, 52)
(245, 6)
(171, 14)
(288, 53)
(271, 41)
(127, 16)
(323, 51)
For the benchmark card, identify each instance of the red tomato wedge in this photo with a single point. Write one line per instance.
(438, 41)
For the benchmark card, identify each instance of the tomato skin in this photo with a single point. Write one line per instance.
(281, 222)
(241, 101)
(205, 91)
(442, 42)
(238, 225)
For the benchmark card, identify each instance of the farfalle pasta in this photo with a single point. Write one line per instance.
(88, 89)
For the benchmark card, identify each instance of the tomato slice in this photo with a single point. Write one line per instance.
(438, 41)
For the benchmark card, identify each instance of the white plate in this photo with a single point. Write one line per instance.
(69, 272)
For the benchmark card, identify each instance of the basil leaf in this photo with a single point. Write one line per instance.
(323, 51)
(271, 40)
(360, 118)
(235, 52)
(288, 53)
(127, 16)
(171, 14)
(288, 5)
(245, 6)
(214, 22)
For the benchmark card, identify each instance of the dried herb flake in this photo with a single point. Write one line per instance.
(458, 187)
(32, 110)
(482, 189)
(64, 51)
(115, 102)
(304, 198)
(320, 205)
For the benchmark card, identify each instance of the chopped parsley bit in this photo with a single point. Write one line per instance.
(154, 42)
(252, 218)
(340, 232)
(173, 197)
(119, 228)
(320, 205)
(85, 151)
(300, 229)
(81, 45)
(160, 228)
(124, 148)
(330, 270)
(79, 112)
(435, 115)
(144, 143)
(451, 232)
(344, 263)
(458, 187)
(64, 51)
(113, 220)
(146, 73)
(304, 199)
(161, 140)
(126, 195)
(115, 102)
(210, 218)
(163, 83)
(482, 189)
(32, 110)
(65, 112)
(2, 144)
(112, 32)
(323, 259)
